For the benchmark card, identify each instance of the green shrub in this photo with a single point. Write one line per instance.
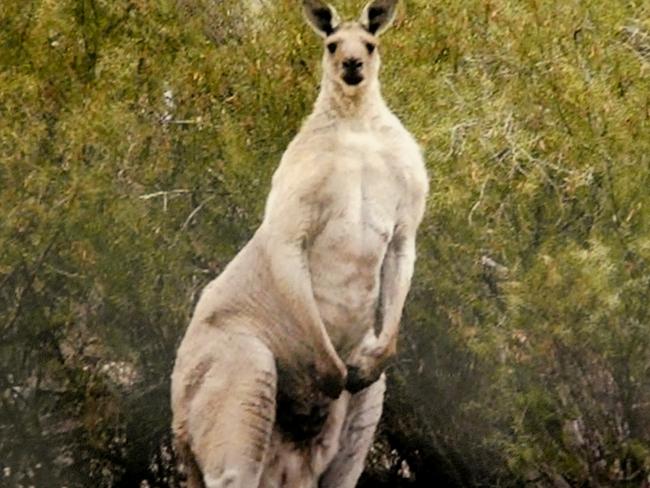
(137, 142)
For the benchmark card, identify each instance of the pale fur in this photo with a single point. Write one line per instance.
(293, 314)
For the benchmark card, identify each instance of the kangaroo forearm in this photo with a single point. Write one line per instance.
(293, 285)
(397, 273)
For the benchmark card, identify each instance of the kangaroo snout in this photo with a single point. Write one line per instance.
(352, 71)
(352, 64)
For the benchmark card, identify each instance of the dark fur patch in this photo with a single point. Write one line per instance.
(197, 376)
(357, 381)
(376, 16)
(379, 13)
(219, 316)
(323, 17)
(300, 423)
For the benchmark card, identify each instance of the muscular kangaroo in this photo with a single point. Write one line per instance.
(278, 381)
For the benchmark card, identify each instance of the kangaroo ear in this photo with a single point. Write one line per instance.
(378, 15)
(321, 17)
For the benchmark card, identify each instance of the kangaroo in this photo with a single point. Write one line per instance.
(278, 381)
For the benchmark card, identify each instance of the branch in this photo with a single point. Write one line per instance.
(195, 211)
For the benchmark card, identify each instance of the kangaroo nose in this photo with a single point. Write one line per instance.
(352, 64)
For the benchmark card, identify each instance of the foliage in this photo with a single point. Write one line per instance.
(137, 141)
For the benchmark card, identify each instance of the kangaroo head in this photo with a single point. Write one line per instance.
(351, 58)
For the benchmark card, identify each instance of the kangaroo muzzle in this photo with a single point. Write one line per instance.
(352, 74)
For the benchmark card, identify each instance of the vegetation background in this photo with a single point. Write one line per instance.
(137, 142)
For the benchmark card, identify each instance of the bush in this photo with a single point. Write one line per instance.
(137, 141)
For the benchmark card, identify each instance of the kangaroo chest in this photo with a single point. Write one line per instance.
(364, 190)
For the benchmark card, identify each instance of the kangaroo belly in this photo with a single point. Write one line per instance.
(345, 262)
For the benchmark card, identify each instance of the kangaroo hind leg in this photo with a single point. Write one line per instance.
(190, 470)
(364, 412)
(232, 415)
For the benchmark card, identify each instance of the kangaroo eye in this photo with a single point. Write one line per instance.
(331, 47)
(370, 47)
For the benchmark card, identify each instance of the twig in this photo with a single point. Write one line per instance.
(195, 211)
(163, 194)
(62, 272)
(184, 122)
(478, 202)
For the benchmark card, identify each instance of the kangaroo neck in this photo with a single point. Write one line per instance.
(337, 101)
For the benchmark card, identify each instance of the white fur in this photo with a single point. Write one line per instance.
(294, 311)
